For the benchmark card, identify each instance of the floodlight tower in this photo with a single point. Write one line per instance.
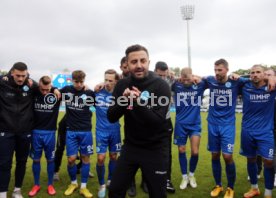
(187, 12)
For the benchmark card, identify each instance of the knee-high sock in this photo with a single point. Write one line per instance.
(111, 166)
(183, 163)
(100, 172)
(193, 163)
(50, 171)
(85, 172)
(231, 174)
(36, 171)
(216, 168)
(72, 171)
(268, 177)
(252, 170)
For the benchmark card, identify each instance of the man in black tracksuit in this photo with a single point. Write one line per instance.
(146, 131)
(16, 122)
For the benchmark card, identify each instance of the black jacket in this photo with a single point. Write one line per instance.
(145, 126)
(16, 107)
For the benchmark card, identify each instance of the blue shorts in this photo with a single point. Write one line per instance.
(79, 141)
(183, 131)
(110, 139)
(221, 138)
(256, 142)
(43, 140)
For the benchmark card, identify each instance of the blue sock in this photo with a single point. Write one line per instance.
(50, 171)
(72, 171)
(252, 170)
(193, 163)
(231, 174)
(268, 177)
(100, 172)
(216, 167)
(111, 166)
(183, 162)
(85, 172)
(36, 171)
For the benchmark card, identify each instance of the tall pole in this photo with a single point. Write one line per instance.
(187, 12)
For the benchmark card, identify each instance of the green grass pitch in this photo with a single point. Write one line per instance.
(203, 172)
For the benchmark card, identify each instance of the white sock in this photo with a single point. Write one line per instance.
(254, 186)
(74, 182)
(83, 185)
(184, 176)
(16, 189)
(191, 174)
(3, 194)
(268, 192)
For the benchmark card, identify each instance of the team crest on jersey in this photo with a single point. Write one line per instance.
(194, 87)
(84, 96)
(228, 84)
(26, 88)
(145, 95)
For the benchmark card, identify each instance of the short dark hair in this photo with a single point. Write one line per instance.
(135, 48)
(160, 65)
(45, 80)
(78, 75)
(123, 60)
(222, 62)
(19, 66)
(112, 71)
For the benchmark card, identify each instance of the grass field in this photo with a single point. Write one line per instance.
(203, 173)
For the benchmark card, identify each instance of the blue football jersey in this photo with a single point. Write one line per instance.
(103, 100)
(258, 108)
(187, 102)
(223, 97)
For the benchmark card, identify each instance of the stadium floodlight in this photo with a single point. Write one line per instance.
(187, 12)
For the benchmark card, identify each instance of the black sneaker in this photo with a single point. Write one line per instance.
(132, 190)
(170, 187)
(144, 187)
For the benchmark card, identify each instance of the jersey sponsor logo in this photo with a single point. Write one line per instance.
(228, 84)
(258, 97)
(26, 88)
(145, 95)
(222, 91)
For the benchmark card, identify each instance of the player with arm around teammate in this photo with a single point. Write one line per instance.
(221, 124)
(187, 98)
(46, 108)
(78, 101)
(107, 134)
(257, 130)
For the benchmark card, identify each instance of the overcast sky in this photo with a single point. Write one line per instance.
(92, 35)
